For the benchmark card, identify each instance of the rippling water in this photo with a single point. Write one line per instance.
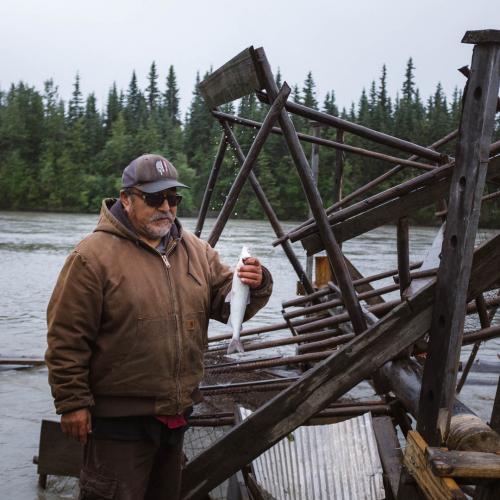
(33, 247)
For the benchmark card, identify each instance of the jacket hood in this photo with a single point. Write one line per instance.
(114, 220)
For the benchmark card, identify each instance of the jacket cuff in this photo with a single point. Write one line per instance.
(62, 408)
(266, 287)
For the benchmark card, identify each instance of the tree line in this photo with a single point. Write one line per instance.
(58, 156)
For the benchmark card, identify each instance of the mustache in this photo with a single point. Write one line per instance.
(161, 216)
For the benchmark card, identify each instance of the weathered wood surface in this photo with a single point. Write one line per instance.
(464, 464)
(368, 296)
(426, 179)
(315, 175)
(231, 81)
(378, 216)
(485, 323)
(328, 380)
(313, 197)
(467, 431)
(360, 130)
(467, 185)
(482, 36)
(389, 450)
(377, 181)
(58, 454)
(384, 208)
(338, 179)
(22, 361)
(246, 168)
(403, 248)
(492, 491)
(207, 195)
(362, 286)
(357, 284)
(338, 145)
(433, 487)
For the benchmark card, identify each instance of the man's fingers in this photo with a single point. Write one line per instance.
(77, 424)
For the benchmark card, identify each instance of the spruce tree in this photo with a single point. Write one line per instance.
(171, 97)
(113, 108)
(75, 108)
(309, 92)
(152, 91)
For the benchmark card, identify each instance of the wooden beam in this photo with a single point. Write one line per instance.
(386, 207)
(403, 246)
(491, 491)
(380, 215)
(389, 451)
(464, 464)
(433, 487)
(246, 168)
(467, 185)
(467, 431)
(327, 381)
(311, 192)
(212, 179)
(231, 81)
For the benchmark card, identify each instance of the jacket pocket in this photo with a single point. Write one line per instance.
(195, 340)
(94, 486)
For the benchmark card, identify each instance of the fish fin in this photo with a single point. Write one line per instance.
(235, 345)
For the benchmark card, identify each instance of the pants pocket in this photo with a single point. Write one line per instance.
(95, 486)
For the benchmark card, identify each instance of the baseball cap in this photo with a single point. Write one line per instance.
(151, 173)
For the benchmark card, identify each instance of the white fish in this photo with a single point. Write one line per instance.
(239, 298)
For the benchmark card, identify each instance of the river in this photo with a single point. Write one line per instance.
(33, 247)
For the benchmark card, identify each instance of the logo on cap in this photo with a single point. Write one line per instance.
(162, 167)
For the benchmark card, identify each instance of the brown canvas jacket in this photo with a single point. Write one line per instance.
(127, 327)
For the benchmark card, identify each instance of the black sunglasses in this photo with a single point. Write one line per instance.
(156, 200)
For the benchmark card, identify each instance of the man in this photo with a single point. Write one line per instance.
(127, 326)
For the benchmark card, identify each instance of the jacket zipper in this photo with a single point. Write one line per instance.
(177, 324)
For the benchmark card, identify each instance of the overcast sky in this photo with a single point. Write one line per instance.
(344, 43)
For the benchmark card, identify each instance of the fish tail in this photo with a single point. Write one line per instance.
(235, 346)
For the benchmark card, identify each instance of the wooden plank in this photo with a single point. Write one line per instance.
(433, 487)
(58, 454)
(207, 195)
(491, 491)
(403, 246)
(323, 272)
(338, 180)
(389, 450)
(387, 211)
(482, 36)
(327, 381)
(22, 361)
(231, 81)
(467, 431)
(380, 215)
(465, 464)
(467, 185)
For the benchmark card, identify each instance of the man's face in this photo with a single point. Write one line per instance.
(150, 222)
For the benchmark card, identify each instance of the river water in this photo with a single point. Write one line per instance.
(33, 247)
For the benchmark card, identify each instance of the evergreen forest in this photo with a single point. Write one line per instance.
(68, 156)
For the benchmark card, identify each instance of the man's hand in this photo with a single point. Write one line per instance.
(250, 272)
(77, 424)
